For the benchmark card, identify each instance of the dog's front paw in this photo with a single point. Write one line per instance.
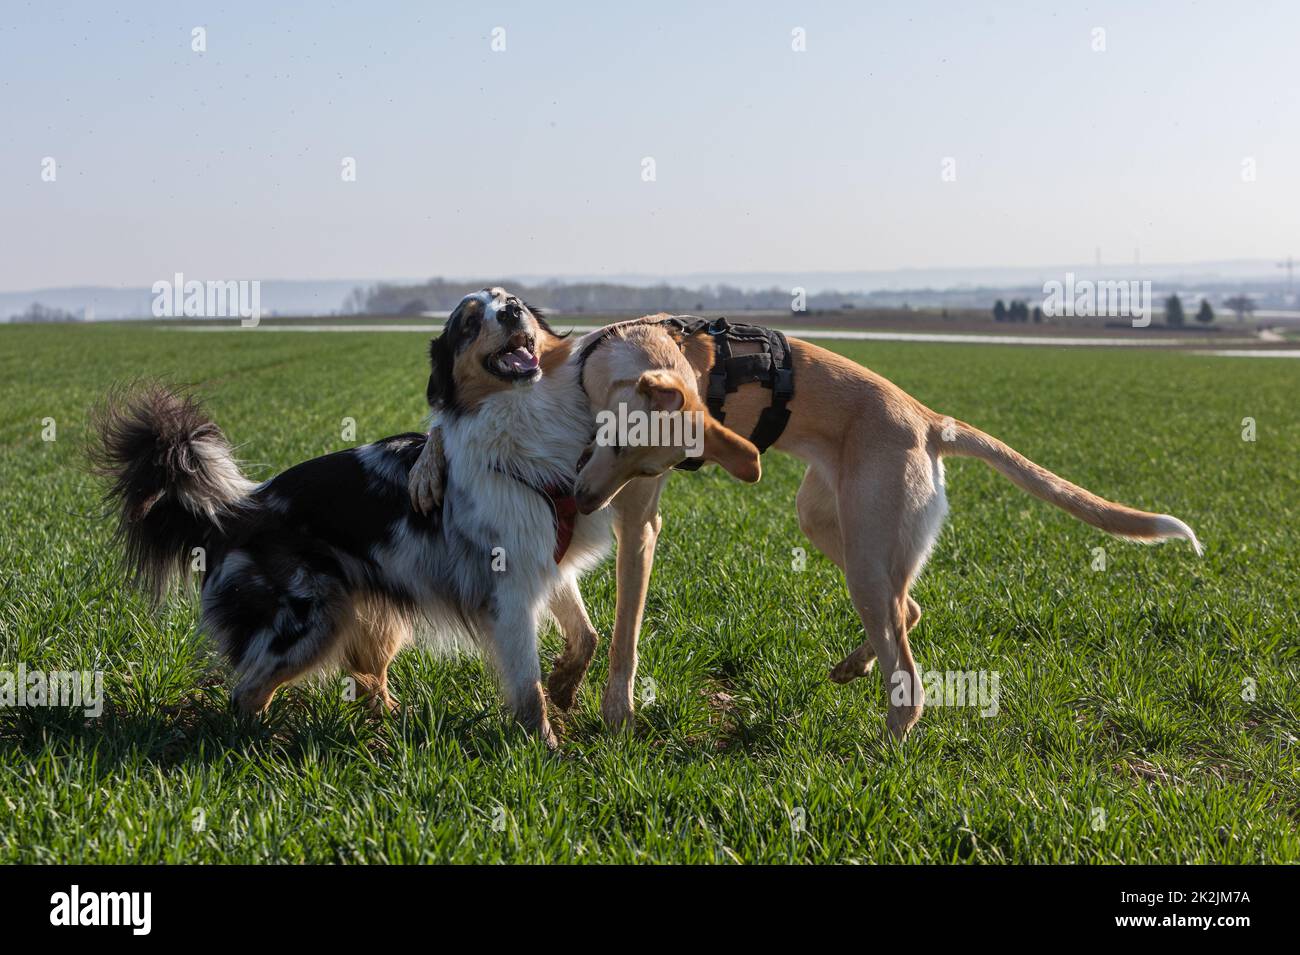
(616, 709)
(548, 737)
(425, 480)
(562, 687)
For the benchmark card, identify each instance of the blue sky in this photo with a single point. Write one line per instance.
(227, 163)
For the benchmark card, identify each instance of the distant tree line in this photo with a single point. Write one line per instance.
(1241, 305)
(1015, 312)
(443, 295)
(1175, 316)
(440, 295)
(36, 312)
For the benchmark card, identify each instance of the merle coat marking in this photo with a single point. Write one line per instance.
(328, 563)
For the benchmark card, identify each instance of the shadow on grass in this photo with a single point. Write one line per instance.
(204, 730)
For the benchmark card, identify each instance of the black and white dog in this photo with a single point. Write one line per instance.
(328, 564)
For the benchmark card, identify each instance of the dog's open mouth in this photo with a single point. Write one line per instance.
(517, 360)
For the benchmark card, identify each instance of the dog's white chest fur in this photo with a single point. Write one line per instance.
(515, 443)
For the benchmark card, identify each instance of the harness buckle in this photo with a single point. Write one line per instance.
(717, 387)
(783, 384)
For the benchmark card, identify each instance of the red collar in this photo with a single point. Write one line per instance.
(564, 509)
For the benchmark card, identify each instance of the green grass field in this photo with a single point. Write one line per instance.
(1148, 712)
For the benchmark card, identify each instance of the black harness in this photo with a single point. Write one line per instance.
(772, 367)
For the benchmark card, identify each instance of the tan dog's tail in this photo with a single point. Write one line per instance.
(949, 437)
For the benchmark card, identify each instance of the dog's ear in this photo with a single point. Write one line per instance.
(737, 455)
(540, 316)
(441, 391)
(665, 389)
(698, 350)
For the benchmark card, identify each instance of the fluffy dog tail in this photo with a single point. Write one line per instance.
(949, 437)
(173, 480)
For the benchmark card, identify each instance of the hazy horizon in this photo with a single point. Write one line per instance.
(857, 280)
(1174, 140)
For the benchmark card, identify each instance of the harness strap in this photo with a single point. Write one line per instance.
(563, 505)
(773, 368)
(720, 373)
(716, 395)
(773, 419)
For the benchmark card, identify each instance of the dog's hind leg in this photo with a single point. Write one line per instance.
(819, 517)
(273, 629)
(858, 663)
(887, 536)
(265, 670)
(820, 522)
(580, 640)
(370, 641)
(884, 619)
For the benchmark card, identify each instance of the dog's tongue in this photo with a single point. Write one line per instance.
(521, 360)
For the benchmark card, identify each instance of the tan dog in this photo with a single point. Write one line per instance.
(872, 499)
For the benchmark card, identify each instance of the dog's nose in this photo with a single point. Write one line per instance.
(510, 315)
